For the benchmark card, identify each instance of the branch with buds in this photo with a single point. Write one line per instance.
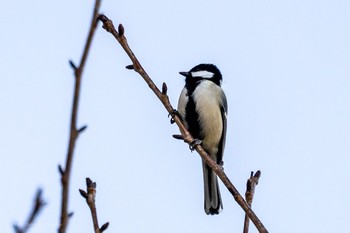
(90, 195)
(65, 171)
(249, 194)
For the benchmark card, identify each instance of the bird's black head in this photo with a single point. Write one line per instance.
(203, 71)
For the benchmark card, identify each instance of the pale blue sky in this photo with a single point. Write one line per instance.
(286, 75)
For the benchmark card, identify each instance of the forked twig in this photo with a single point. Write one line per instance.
(74, 131)
(90, 196)
(39, 203)
(249, 195)
(162, 95)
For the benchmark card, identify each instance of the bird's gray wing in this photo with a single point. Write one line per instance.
(223, 109)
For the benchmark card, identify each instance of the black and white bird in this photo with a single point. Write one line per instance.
(203, 108)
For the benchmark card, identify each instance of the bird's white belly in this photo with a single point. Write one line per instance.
(208, 101)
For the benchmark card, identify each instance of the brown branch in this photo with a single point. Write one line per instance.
(74, 132)
(249, 195)
(37, 207)
(89, 196)
(119, 36)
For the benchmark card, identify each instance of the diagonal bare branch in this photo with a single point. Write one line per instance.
(74, 131)
(119, 36)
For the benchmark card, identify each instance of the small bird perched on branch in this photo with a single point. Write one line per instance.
(203, 108)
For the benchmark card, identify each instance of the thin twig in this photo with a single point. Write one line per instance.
(39, 203)
(90, 196)
(249, 195)
(119, 36)
(74, 132)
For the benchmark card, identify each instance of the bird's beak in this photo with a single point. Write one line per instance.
(184, 73)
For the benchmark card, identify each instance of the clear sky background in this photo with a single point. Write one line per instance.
(286, 70)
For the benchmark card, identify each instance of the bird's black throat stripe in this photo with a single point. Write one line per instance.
(191, 116)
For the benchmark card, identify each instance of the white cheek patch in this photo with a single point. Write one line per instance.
(202, 74)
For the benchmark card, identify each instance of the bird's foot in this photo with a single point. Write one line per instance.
(172, 113)
(221, 164)
(194, 143)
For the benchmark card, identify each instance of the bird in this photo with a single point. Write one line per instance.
(202, 106)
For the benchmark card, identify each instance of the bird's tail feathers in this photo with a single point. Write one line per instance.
(212, 197)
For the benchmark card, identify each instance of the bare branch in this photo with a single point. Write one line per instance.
(90, 196)
(120, 37)
(39, 203)
(249, 195)
(74, 132)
